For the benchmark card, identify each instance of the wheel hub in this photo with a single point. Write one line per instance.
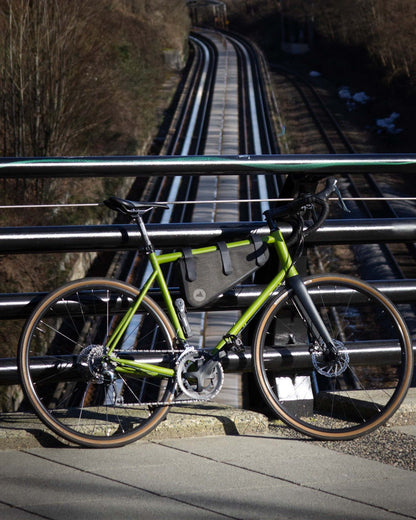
(331, 364)
(92, 356)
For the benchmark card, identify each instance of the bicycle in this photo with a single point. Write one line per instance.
(101, 362)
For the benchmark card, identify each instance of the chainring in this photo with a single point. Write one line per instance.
(198, 377)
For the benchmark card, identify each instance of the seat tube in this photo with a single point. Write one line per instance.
(150, 251)
(166, 295)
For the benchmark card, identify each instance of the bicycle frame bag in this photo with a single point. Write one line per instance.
(206, 276)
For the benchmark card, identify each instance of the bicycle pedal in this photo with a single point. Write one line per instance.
(234, 344)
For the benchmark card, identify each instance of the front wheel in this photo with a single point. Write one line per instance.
(67, 378)
(330, 396)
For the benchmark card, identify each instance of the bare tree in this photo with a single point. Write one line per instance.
(48, 75)
(383, 28)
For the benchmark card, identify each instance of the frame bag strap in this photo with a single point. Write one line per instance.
(190, 264)
(260, 249)
(227, 267)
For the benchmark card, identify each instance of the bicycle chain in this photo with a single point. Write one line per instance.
(176, 402)
(162, 403)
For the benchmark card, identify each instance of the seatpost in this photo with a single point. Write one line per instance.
(137, 217)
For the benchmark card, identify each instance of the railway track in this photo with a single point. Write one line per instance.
(199, 128)
(223, 110)
(371, 195)
(226, 74)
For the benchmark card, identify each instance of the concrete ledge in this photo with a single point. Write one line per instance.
(209, 419)
(406, 414)
(19, 431)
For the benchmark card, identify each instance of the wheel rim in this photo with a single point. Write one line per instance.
(86, 403)
(361, 397)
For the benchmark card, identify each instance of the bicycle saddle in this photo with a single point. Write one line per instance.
(130, 206)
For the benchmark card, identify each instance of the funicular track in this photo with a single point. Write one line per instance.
(189, 129)
(367, 195)
(223, 110)
(181, 192)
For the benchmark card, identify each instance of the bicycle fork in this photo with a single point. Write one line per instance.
(310, 314)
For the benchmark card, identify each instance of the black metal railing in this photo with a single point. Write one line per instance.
(48, 239)
(312, 165)
(52, 239)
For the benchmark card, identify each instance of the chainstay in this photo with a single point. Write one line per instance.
(175, 402)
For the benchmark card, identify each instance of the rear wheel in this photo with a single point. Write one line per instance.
(66, 377)
(341, 396)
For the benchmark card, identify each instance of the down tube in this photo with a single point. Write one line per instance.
(288, 269)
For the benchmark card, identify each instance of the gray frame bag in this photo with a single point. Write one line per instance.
(206, 276)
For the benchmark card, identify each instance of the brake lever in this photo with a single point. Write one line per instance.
(341, 202)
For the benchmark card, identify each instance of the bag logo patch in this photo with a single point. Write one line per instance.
(199, 295)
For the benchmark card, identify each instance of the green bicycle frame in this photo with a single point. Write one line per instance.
(288, 270)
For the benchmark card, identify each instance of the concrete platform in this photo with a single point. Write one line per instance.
(211, 462)
(19, 431)
(251, 476)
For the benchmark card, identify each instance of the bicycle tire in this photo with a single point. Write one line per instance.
(322, 400)
(70, 394)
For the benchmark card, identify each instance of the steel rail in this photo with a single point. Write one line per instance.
(257, 114)
(278, 358)
(20, 305)
(175, 136)
(50, 239)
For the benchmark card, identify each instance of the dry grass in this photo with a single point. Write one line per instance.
(112, 71)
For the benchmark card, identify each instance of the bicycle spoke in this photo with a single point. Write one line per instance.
(343, 394)
(97, 406)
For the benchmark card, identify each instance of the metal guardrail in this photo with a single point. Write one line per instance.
(123, 237)
(49, 239)
(281, 358)
(20, 305)
(314, 165)
(94, 238)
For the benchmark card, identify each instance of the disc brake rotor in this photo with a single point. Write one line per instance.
(331, 366)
